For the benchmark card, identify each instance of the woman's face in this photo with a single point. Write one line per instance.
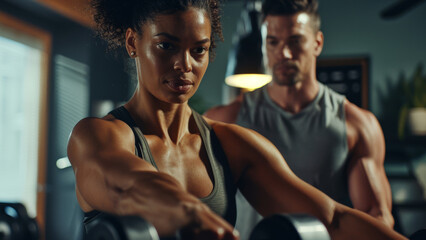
(172, 54)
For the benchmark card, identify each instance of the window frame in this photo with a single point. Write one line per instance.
(46, 40)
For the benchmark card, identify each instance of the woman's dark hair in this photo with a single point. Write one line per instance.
(291, 7)
(113, 17)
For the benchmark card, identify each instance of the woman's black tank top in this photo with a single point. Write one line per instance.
(222, 198)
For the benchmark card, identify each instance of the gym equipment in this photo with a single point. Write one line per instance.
(290, 227)
(408, 204)
(279, 226)
(15, 224)
(419, 235)
(111, 227)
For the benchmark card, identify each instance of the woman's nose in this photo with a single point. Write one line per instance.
(183, 62)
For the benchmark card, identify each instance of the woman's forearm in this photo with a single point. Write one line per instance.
(155, 196)
(348, 224)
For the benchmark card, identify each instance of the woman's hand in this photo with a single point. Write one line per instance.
(206, 225)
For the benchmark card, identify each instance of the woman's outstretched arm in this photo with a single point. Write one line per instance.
(271, 187)
(111, 178)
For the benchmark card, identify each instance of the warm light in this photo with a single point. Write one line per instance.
(303, 18)
(248, 81)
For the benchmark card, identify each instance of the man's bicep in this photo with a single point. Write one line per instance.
(368, 185)
(364, 184)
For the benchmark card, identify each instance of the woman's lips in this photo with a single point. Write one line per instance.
(180, 86)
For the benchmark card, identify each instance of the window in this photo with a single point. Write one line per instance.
(24, 52)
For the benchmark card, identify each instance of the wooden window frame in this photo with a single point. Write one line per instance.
(46, 40)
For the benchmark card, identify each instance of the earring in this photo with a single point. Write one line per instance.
(132, 53)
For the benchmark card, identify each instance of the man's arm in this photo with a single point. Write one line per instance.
(271, 187)
(226, 113)
(369, 187)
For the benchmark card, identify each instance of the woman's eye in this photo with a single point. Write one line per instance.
(165, 45)
(200, 50)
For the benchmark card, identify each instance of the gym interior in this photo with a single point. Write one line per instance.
(80, 77)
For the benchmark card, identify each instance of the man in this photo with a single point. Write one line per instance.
(326, 140)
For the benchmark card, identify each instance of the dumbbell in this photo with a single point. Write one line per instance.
(280, 226)
(112, 227)
(290, 227)
(15, 224)
(419, 235)
(299, 227)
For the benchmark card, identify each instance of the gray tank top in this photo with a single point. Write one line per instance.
(222, 198)
(313, 141)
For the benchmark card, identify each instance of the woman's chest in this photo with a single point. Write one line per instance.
(187, 162)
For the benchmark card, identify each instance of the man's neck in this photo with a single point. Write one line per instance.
(293, 98)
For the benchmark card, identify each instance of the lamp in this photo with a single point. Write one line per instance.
(245, 64)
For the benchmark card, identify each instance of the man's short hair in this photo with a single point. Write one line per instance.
(291, 7)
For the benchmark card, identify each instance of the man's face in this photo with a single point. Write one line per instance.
(291, 46)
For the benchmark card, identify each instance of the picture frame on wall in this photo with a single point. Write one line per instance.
(348, 76)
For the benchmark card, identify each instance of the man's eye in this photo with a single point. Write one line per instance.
(165, 45)
(296, 41)
(272, 43)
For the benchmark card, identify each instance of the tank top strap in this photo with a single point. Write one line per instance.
(222, 198)
(205, 130)
(142, 149)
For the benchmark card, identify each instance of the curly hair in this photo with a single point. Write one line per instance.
(113, 17)
(290, 7)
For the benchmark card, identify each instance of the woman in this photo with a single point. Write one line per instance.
(181, 173)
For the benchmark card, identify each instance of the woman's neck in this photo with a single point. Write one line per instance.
(169, 121)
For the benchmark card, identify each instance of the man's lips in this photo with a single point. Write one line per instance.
(285, 69)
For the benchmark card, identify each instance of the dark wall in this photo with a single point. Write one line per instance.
(105, 79)
(351, 29)
(394, 46)
(110, 73)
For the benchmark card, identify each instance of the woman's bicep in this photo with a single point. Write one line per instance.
(273, 188)
(102, 155)
(268, 183)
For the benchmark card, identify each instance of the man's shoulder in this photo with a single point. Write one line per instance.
(357, 114)
(361, 123)
(225, 113)
(333, 94)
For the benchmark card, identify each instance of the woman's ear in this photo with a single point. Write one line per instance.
(130, 42)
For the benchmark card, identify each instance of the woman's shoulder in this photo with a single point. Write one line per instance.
(104, 131)
(107, 124)
(238, 137)
(231, 129)
(243, 147)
